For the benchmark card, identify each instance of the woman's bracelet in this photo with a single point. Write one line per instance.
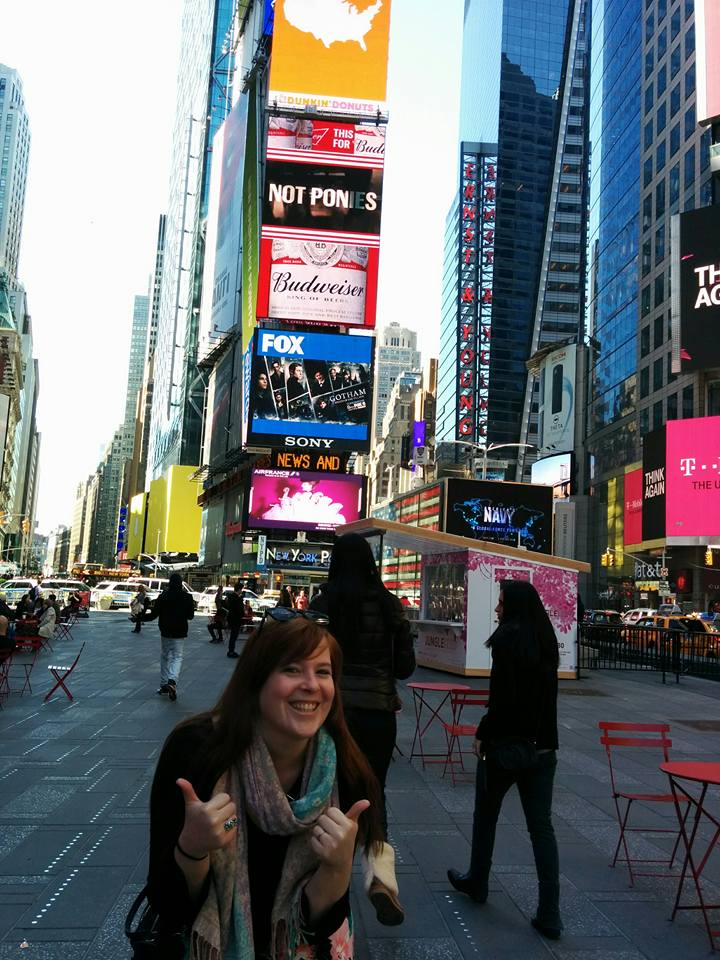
(189, 856)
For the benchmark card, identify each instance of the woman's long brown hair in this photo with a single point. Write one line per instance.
(271, 648)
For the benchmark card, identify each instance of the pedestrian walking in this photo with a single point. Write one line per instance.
(138, 607)
(369, 624)
(219, 618)
(172, 609)
(257, 805)
(234, 604)
(516, 743)
(286, 599)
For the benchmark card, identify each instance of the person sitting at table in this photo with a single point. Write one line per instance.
(48, 619)
(24, 606)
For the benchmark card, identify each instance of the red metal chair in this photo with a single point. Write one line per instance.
(643, 738)
(456, 729)
(61, 673)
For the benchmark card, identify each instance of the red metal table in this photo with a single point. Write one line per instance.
(421, 704)
(705, 774)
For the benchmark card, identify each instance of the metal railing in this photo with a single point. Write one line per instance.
(625, 647)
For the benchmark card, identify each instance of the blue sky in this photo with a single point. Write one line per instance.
(99, 85)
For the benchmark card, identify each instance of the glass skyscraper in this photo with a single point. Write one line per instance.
(524, 95)
(203, 102)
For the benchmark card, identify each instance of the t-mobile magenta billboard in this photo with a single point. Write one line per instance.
(692, 479)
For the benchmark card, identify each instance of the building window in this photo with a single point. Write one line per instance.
(660, 157)
(659, 290)
(659, 257)
(649, 63)
(649, 133)
(647, 171)
(644, 382)
(690, 167)
(658, 332)
(689, 81)
(713, 398)
(660, 199)
(675, 23)
(646, 258)
(657, 415)
(645, 303)
(649, 27)
(671, 377)
(674, 99)
(645, 341)
(661, 81)
(661, 44)
(689, 122)
(661, 118)
(647, 212)
(649, 98)
(672, 407)
(687, 402)
(674, 187)
(644, 422)
(705, 151)
(674, 139)
(658, 374)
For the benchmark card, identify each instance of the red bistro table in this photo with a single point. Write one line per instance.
(421, 705)
(705, 775)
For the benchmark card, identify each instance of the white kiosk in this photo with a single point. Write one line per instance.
(460, 586)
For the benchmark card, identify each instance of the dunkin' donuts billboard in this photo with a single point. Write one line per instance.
(331, 56)
(320, 238)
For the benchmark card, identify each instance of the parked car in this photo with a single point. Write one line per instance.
(632, 616)
(117, 595)
(605, 626)
(63, 588)
(155, 585)
(98, 590)
(15, 588)
(698, 637)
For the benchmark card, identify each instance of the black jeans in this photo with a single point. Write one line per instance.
(234, 631)
(535, 787)
(374, 732)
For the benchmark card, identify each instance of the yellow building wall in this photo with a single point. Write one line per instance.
(136, 525)
(174, 517)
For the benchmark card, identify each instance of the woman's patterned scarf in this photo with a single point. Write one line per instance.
(257, 792)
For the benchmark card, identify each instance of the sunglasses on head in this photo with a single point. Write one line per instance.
(284, 614)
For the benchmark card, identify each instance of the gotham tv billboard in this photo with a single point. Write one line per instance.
(514, 514)
(311, 391)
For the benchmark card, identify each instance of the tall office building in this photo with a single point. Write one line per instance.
(136, 368)
(203, 101)
(156, 287)
(14, 152)
(650, 160)
(397, 352)
(514, 257)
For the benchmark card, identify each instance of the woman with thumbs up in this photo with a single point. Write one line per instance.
(257, 806)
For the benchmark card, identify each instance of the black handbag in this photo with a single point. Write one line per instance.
(147, 940)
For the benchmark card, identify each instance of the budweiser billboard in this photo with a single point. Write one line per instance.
(321, 222)
(331, 56)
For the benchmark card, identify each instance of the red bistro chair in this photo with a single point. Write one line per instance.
(60, 674)
(642, 737)
(457, 729)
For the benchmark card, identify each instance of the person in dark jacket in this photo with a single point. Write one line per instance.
(522, 703)
(369, 624)
(286, 599)
(235, 613)
(172, 609)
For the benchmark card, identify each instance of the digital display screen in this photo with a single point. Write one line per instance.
(692, 499)
(294, 500)
(515, 514)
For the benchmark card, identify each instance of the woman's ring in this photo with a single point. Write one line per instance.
(230, 823)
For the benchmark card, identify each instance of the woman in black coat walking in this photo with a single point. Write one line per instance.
(369, 624)
(522, 706)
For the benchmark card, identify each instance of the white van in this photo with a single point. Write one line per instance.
(639, 613)
(155, 585)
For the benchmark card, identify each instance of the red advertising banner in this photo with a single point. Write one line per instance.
(320, 239)
(632, 529)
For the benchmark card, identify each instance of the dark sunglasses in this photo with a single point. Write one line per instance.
(284, 614)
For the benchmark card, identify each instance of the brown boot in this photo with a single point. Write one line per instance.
(381, 886)
(388, 908)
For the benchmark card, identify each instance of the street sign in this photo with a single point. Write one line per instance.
(262, 550)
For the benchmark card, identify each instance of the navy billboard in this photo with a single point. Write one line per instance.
(311, 391)
(514, 514)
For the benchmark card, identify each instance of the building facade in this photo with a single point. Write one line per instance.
(397, 351)
(203, 101)
(514, 270)
(651, 160)
(14, 154)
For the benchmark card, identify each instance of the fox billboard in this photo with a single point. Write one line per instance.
(695, 243)
(311, 391)
(331, 56)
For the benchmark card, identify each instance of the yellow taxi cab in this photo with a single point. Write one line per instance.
(698, 637)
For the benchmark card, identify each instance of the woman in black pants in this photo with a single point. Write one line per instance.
(369, 624)
(522, 704)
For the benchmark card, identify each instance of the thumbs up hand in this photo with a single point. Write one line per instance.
(333, 837)
(206, 823)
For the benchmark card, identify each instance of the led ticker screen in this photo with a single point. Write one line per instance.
(311, 391)
(293, 500)
(514, 514)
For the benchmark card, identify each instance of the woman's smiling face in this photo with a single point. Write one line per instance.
(295, 699)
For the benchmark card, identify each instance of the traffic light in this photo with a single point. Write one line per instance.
(708, 557)
(607, 559)
(25, 525)
(604, 559)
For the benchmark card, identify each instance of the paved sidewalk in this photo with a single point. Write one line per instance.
(74, 783)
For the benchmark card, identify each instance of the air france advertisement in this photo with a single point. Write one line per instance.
(311, 391)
